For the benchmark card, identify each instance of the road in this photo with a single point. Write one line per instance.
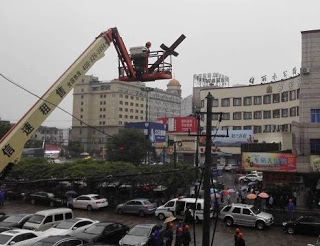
(273, 236)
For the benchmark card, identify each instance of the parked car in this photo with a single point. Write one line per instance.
(231, 167)
(304, 224)
(19, 237)
(251, 177)
(247, 215)
(45, 198)
(90, 201)
(103, 232)
(139, 235)
(69, 227)
(59, 241)
(139, 206)
(15, 221)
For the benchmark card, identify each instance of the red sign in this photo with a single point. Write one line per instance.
(179, 124)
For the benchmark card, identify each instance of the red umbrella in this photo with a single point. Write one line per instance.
(226, 192)
(251, 196)
(263, 195)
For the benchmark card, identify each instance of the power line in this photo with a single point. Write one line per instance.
(35, 95)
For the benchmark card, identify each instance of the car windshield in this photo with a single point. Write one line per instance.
(4, 238)
(95, 229)
(255, 210)
(37, 219)
(96, 197)
(50, 195)
(65, 225)
(146, 202)
(140, 231)
(14, 218)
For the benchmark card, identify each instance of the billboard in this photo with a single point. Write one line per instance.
(269, 161)
(315, 163)
(179, 124)
(155, 131)
(235, 137)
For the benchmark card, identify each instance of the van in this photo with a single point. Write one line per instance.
(45, 219)
(178, 206)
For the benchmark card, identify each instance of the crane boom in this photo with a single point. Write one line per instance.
(11, 145)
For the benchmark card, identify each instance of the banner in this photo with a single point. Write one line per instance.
(235, 137)
(179, 124)
(269, 161)
(315, 163)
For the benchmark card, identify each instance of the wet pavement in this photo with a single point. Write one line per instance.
(273, 236)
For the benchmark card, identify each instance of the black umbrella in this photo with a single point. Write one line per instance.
(71, 193)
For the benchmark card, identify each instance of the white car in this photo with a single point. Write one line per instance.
(252, 177)
(89, 202)
(19, 237)
(69, 227)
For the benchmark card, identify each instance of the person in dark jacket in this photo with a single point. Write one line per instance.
(240, 241)
(186, 236)
(236, 235)
(179, 237)
(168, 235)
(156, 239)
(188, 219)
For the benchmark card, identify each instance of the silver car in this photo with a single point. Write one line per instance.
(247, 215)
(138, 206)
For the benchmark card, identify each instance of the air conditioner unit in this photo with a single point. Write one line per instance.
(305, 70)
(298, 179)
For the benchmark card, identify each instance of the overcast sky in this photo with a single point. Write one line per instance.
(239, 38)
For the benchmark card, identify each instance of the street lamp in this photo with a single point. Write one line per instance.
(147, 89)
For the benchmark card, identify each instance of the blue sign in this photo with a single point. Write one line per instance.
(216, 172)
(155, 131)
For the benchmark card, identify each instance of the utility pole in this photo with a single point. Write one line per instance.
(206, 176)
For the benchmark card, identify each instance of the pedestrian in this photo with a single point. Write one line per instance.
(156, 239)
(221, 198)
(70, 202)
(179, 237)
(188, 219)
(238, 195)
(240, 241)
(228, 199)
(216, 208)
(236, 236)
(270, 201)
(282, 203)
(168, 235)
(290, 208)
(186, 236)
(2, 197)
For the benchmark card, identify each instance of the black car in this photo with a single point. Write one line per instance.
(304, 224)
(59, 241)
(45, 198)
(104, 232)
(15, 221)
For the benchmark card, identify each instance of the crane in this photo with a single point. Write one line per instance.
(132, 67)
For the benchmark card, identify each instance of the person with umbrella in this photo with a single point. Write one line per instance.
(179, 237)
(70, 195)
(168, 234)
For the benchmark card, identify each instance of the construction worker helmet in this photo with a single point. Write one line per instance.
(237, 230)
(290, 200)
(180, 229)
(148, 44)
(171, 224)
(187, 227)
(240, 234)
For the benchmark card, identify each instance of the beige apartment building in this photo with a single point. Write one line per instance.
(102, 108)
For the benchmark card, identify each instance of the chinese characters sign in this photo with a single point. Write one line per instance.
(180, 124)
(269, 161)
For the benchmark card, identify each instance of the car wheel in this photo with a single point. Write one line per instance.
(33, 201)
(161, 216)
(51, 204)
(260, 225)
(119, 211)
(229, 221)
(290, 230)
(89, 208)
(142, 213)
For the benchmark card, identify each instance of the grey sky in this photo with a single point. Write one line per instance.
(239, 38)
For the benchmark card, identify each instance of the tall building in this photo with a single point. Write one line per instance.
(102, 108)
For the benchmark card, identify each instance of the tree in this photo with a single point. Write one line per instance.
(75, 148)
(130, 145)
(4, 128)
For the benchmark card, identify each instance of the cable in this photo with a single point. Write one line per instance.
(30, 92)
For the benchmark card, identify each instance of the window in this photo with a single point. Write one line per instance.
(81, 110)
(141, 105)
(297, 111)
(292, 95)
(236, 210)
(257, 115)
(202, 103)
(267, 128)
(120, 102)
(237, 101)
(225, 127)
(314, 146)
(131, 110)
(215, 103)
(247, 128)
(293, 111)
(225, 102)
(267, 114)
(226, 209)
(284, 112)
(120, 95)
(246, 211)
(136, 117)
(266, 99)
(131, 104)
(298, 93)
(132, 97)
(120, 109)
(237, 115)
(82, 96)
(257, 129)
(120, 122)
(236, 128)
(48, 219)
(58, 217)
(126, 96)
(137, 104)
(120, 115)
(276, 113)
(285, 128)
(247, 115)
(81, 103)
(126, 103)
(126, 110)
(315, 115)
(215, 116)
(276, 98)
(226, 116)
(257, 100)
(284, 96)
(247, 101)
